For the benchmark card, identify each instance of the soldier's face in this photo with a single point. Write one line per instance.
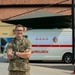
(19, 31)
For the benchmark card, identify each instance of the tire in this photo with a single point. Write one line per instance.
(67, 58)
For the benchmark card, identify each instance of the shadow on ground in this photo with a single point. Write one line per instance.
(57, 65)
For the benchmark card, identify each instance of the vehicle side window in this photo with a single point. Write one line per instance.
(26, 36)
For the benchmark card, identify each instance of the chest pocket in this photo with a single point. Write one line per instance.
(14, 47)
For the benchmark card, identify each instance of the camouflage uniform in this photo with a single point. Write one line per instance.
(18, 65)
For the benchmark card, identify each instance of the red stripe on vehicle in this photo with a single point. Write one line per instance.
(50, 45)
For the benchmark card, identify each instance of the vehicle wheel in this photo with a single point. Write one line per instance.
(67, 58)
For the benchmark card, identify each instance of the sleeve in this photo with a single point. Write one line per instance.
(9, 47)
(28, 45)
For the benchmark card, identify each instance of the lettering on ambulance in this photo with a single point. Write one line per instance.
(40, 51)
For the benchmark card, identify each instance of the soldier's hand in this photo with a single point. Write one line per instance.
(10, 57)
(10, 54)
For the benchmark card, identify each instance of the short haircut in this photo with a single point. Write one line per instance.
(19, 25)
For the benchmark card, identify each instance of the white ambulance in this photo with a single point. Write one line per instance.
(50, 44)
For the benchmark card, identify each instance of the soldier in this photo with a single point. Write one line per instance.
(18, 53)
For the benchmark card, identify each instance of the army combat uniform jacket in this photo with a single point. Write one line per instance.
(18, 63)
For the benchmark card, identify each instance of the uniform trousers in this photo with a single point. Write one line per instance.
(19, 73)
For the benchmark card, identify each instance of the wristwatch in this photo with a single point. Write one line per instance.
(14, 54)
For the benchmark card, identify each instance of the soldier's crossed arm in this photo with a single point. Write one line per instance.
(24, 54)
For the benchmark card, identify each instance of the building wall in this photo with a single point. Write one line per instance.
(6, 31)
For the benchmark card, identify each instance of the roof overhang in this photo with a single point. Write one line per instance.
(37, 19)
